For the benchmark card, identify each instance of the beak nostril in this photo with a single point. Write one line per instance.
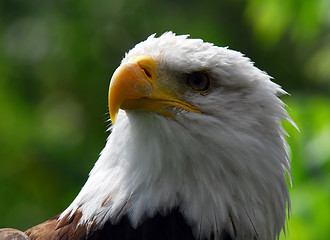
(148, 74)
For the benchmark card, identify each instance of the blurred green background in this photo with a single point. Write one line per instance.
(56, 59)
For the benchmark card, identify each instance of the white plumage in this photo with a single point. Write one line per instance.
(224, 168)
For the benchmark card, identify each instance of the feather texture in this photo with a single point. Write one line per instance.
(172, 226)
(223, 169)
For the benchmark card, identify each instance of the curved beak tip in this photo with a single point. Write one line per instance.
(113, 117)
(113, 110)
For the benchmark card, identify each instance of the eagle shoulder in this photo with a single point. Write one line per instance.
(53, 229)
(170, 226)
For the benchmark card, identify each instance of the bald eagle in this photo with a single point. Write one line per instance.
(196, 151)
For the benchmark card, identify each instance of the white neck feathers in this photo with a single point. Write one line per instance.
(219, 178)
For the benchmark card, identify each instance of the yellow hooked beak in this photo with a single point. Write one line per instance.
(133, 86)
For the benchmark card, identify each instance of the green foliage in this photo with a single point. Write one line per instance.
(56, 59)
(310, 194)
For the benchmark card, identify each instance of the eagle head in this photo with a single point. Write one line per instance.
(195, 127)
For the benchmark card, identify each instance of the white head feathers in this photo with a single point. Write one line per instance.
(224, 168)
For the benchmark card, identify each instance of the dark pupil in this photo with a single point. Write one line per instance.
(199, 81)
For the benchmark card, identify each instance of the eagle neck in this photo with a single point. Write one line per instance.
(151, 165)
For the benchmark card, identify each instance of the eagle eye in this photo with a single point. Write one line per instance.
(199, 81)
